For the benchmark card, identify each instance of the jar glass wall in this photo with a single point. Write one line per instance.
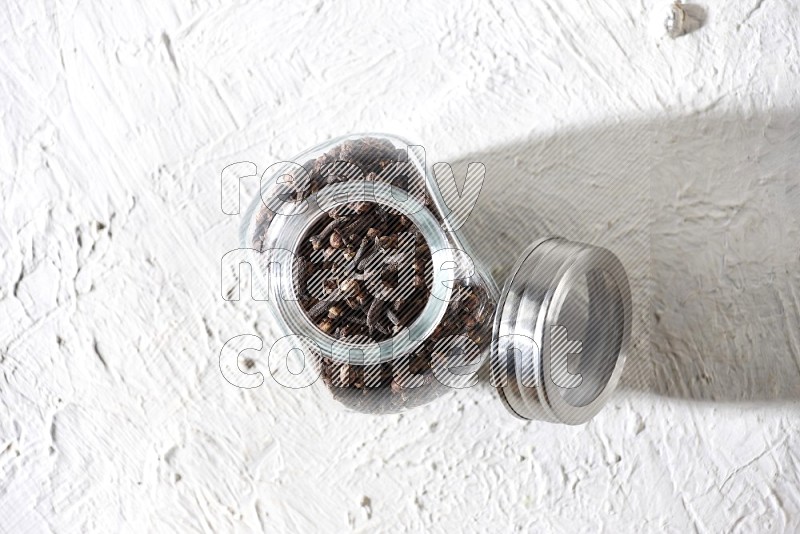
(374, 285)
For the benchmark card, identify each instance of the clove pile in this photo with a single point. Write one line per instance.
(363, 273)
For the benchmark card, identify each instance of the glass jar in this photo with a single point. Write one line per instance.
(367, 275)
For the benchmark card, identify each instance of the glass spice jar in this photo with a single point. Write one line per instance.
(390, 309)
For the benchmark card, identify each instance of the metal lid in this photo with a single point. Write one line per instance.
(561, 331)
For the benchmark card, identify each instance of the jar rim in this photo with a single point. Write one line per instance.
(289, 229)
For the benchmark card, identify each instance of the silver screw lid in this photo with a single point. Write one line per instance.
(561, 332)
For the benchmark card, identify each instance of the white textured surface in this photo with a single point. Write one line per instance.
(117, 121)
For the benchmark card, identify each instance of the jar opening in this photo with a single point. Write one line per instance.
(293, 231)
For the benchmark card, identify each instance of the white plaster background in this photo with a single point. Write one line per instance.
(116, 122)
